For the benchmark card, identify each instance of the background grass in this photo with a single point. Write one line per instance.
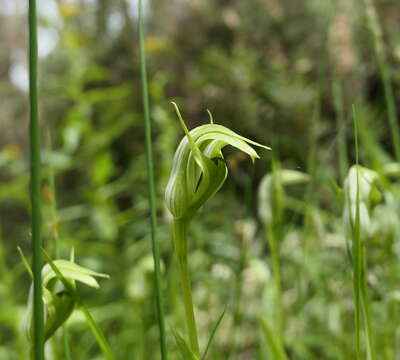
(284, 73)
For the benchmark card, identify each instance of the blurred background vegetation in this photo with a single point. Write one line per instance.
(282, 72)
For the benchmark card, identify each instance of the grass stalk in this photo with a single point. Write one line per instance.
(211, 338)
(384, 71)
(56, 238)
(151, 187)
(340, 127)
(274, 344)
(362, 308)
(180, 242)
(274, 237)
(35, 193)
(277, 278)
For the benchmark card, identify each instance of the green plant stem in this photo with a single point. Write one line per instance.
(56, 238)
(101, 340)
(362, 308)
(366, 309)
(357, 282)
(273, 233)
(274, 343)
(37, 261)
(181, 252)
(67, 350)
(357, 251)
(211, 338)
(384, 71)
(151, 188)
(340, 127)
(276, 270)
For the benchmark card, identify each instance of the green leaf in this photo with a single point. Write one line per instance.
(213, 334)
(183, 347)
(275, 346)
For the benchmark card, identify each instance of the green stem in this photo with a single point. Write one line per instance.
(384, 71)
(101, 340)
(356, 284)
(276, 271)
(67, 350)
(151, 188)
(181, 252)
(360, 269)
(367, 314)
(357, 255)
(56, 238)
(37, 261)
(275, 345)
(340, 126)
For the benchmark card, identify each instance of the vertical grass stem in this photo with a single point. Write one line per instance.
(151, 187)
(377, 38)
(38, 336)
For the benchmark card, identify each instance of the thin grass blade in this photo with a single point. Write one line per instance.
(213, 334)
(151, 187)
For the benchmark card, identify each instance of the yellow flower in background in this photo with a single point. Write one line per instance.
(68, 10)
(154, 43)
(11, 151)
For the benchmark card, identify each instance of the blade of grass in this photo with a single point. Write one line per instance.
(276, 348)
(273, 233)
(56, 236)
(340, 127)
(25, 262)
(151, 187)
(213, 334)
(360, 280)
(356, 250)
(183, 347)
(384, 71)
(53, 201)
(38, 327)
(101, 340)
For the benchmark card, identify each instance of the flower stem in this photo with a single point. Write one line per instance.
(276, 270)
(38, 334)
(181, 252)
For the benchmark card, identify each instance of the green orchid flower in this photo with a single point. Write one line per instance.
(198, 172)
(199, 169)
(58, 302)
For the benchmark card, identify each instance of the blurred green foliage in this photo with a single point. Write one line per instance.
(266, 69)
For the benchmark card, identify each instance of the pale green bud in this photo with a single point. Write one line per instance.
(359, 186)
